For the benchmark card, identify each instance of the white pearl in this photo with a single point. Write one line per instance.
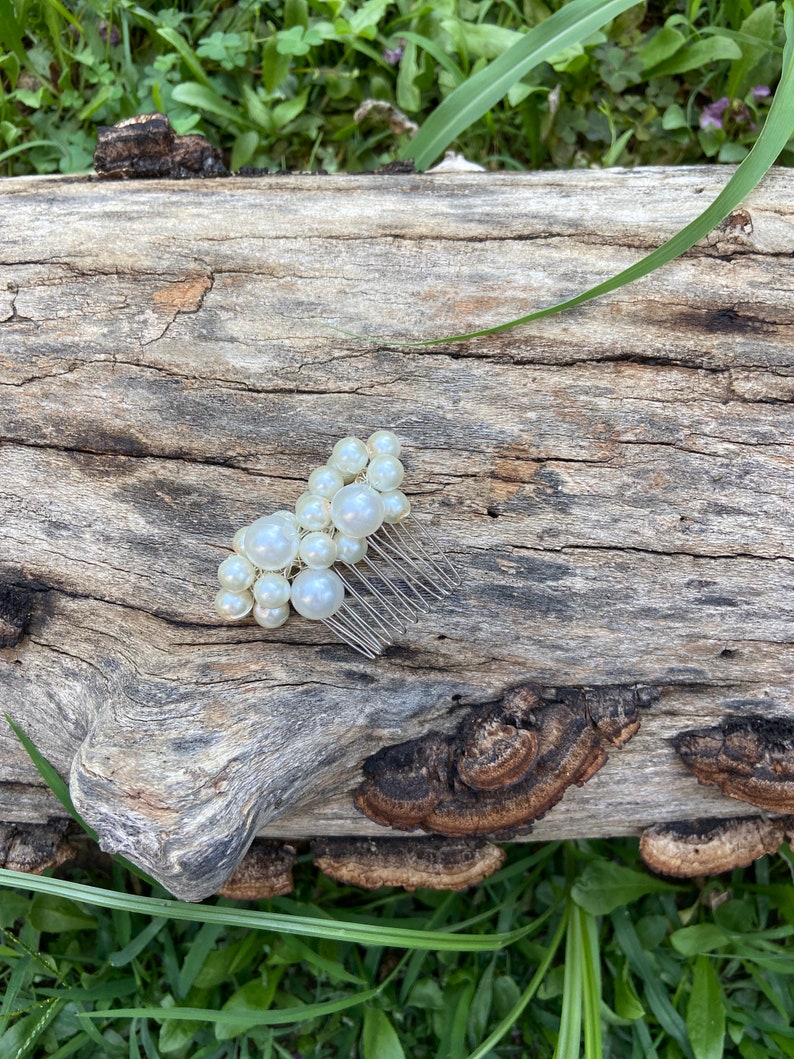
(237, 540)
(233, 605)
(236, 573)
(317, 594)
(350, 550)
(326, 481)
(287, 516)
(318, 550)
(383, 441)
(397, 506)
(350, 456)
(271, 543)
(313, 512)
(357, 510)
(271, 590)
(270, 617)
(385, 472)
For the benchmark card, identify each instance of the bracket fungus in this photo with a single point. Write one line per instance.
(504, 766)
(265, 871)
(430, 863)
(710, 846)
(749, 758)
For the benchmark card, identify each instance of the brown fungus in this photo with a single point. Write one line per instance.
(430, 863)
(265, 871)
(34, 848)
(710, 846)
(146, 146)
(749, 758)
(504, 767)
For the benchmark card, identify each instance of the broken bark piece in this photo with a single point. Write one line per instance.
(265, 871)
(505, 765)
(431, 863)
(749, 758)
(146, 146)
(709, 846)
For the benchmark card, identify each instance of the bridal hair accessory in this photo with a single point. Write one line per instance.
(351, 554)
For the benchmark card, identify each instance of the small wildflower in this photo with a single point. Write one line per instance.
(393, 55)
(108, 32)
(711, 115)
(760, 92)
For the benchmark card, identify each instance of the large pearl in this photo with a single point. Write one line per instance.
(286, 516)
(350, 550)
(236, 573)
(383, 441)
(350, 456)
(313, 512)
(271, 543)
(397, 507)
(317, 594)
(326, 481)
(271, 590)
(385, 473)
(357, 510)
(318, 550)
(270, 617)
(231, 606)
(237, 541)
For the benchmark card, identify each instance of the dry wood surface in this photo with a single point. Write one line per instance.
(615, 484)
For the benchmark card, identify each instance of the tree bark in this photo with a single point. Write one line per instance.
(614, 484)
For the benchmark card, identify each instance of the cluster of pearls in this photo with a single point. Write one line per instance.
(286, 558)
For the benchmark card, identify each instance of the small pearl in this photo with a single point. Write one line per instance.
(318, 550)
(397, 506)
(326, 481)
(237, 540)
(357, 510)
(271, 543)
(350, 456)
(313, 512)
(317, 594)
(383, 441)
(271, 590)
(287, 516)
(233, 605)
(270, 617)
(236, 573)
(385, 473)
(350, 550)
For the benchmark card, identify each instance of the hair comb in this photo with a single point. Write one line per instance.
(351, 554)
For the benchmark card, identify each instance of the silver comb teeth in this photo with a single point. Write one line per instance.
(351, 555)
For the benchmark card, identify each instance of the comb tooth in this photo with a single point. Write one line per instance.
(417, 579)
(369, 609)
(343, 634)
(427, 547)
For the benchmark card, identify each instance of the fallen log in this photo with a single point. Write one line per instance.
(614, 485)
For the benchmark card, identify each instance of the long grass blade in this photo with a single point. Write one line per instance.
(467, 104)
(777, 131)
(336, 930)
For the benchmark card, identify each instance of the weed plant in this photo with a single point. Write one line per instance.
(278, 84)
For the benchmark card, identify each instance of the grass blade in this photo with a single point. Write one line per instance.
(336, 930)
(777, 130)
(467, 104)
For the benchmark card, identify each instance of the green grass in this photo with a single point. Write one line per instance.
(277, 84)
(572, 948)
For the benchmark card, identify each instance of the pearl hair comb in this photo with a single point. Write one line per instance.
(351, 554)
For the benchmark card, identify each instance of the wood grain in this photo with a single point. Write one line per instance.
(615, 483)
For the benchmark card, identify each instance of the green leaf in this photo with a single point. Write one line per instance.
(466, 104)
(189, 57)
(698, 53)
(755, 38)
(204, 97)
(661, 46)
(704, 937)
(705, 1013)
(480, 1009)
(379, 1038)
(627, 1003)
(11, 32)
(275, 65)
(604, 886)
(243, 149)
(674, 118)
(287, 111)
(55, 915)
(407, 94)
(481, 40)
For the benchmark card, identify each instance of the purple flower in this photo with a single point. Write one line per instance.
(760, 92)
(106, 30)
(393, 55)
(711, 115)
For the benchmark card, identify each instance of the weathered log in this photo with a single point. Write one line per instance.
(615, 484)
